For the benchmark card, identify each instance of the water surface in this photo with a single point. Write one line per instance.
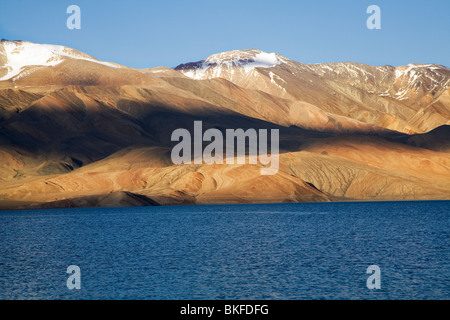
(280, 251)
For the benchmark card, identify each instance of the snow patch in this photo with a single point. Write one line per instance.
(227, 62)
(262, 60)
(20, 55)
(158, 71)
(272, 80)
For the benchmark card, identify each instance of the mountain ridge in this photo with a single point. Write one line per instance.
(82, 133)
(405, 90)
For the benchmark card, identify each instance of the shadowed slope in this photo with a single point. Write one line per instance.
(86, 133)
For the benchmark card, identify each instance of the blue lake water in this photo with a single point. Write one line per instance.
(280, 251)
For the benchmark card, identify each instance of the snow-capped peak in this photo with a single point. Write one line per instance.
(242, 60)
(251, 58)
(21, 54)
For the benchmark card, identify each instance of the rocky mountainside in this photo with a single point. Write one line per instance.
(400, 99)
(76, 131)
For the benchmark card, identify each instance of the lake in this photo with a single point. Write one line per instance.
(271, 251)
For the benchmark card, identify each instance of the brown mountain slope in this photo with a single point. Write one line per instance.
(382, 96)
(81, 132)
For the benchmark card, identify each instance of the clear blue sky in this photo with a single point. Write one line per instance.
(150, 33)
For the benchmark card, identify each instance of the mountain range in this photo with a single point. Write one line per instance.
(79, 132)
